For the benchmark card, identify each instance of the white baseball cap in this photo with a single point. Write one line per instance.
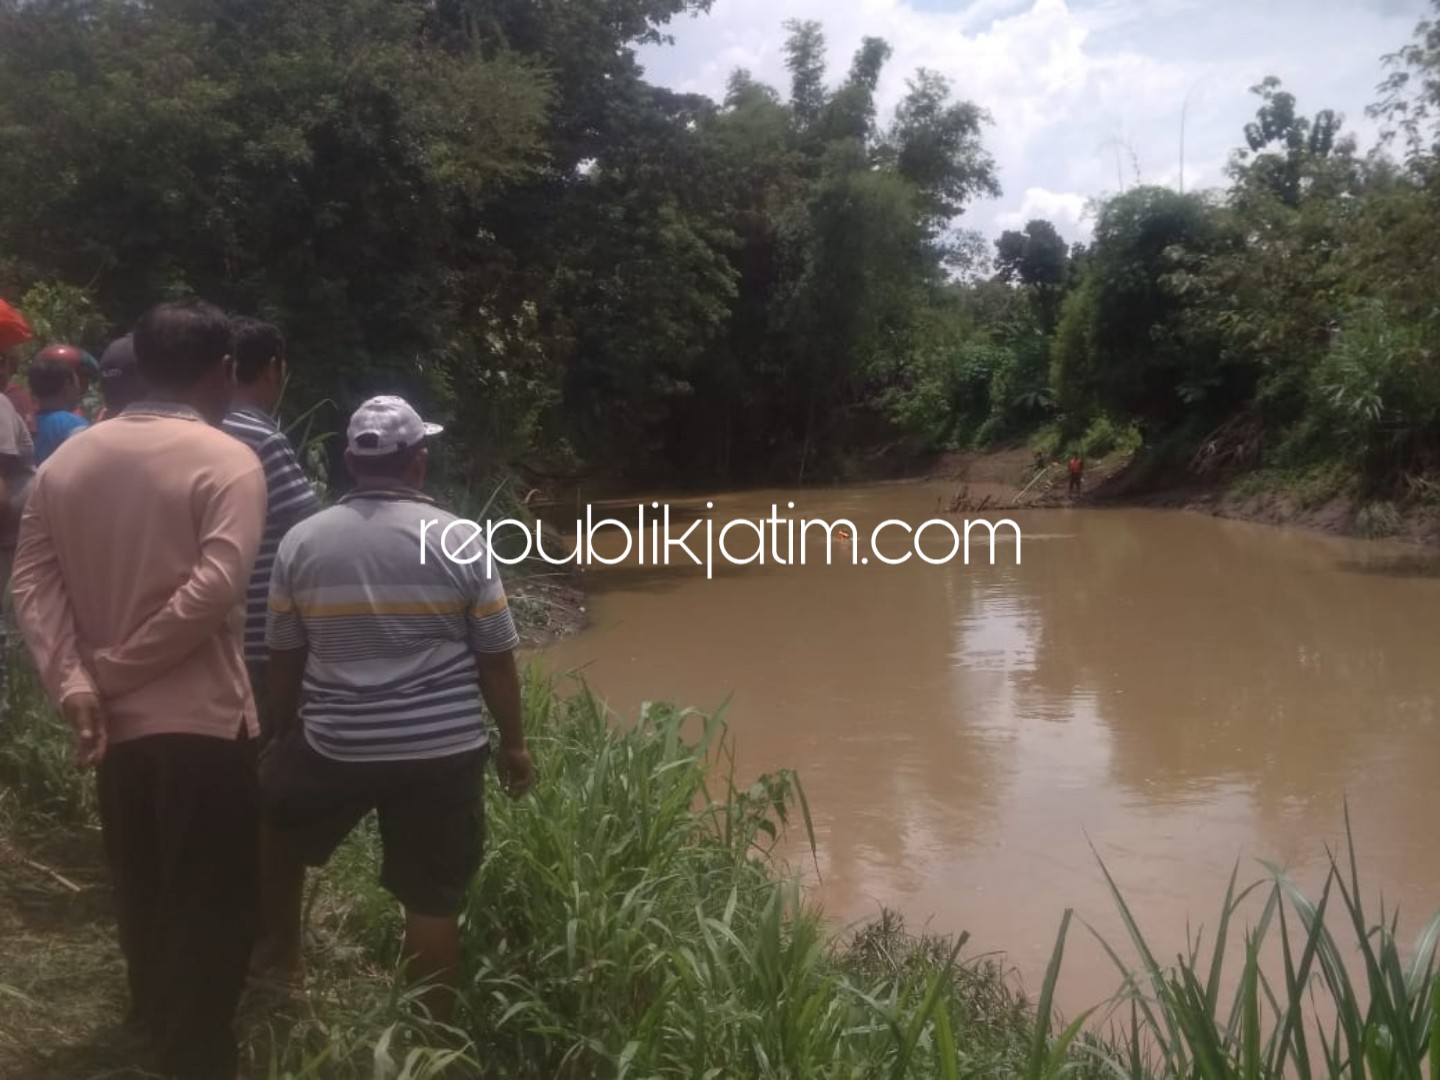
(386, 425)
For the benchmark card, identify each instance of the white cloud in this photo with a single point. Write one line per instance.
(1068, 210)
(1068, 82)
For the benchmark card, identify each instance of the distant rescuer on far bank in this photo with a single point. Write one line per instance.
(379, 660)
(1077, 472)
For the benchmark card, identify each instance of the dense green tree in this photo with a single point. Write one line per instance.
(805, 59)
(1409, 104)
(1125, 346)
(1273, 291)
(1038, 256)
(935, 145)
(483, 202)
(1038, 260)
(306, 161)
(586, 46)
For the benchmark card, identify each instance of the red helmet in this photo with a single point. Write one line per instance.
(69, 354)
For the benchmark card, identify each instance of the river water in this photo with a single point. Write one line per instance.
(1183, 693)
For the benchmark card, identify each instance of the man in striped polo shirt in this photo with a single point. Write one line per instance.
(260, 370)
(382, 646)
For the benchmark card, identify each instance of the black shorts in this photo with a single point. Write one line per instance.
(432, 816)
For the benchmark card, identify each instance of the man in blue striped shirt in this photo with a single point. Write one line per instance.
(385, 636)
(260, 370)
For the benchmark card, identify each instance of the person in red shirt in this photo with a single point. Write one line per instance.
(1077, 472)
(15, 332)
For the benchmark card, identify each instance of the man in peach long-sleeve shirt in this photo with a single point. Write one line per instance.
(134, 553)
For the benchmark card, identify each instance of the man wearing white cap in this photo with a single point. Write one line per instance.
(379, 660)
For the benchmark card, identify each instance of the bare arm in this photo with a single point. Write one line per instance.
(230, 531)
(500, 687)
(493, 641)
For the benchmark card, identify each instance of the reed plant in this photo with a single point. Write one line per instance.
(1346, 999)
(631, 920)
(38, 780)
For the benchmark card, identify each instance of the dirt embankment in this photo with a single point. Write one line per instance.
(1116, 482)
(546, 606)
(1274, 503)
(1012, 475)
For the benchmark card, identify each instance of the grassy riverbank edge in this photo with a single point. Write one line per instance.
(629, 921)
(1322, 498)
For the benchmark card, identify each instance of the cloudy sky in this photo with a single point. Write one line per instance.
(1074, 86)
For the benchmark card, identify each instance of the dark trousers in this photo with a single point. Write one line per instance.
(180, 820)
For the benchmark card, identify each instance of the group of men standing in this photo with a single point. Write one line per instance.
(251, 673)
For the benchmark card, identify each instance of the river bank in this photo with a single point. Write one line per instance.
(1318, 500)
(630, 920)
(627, 919)
(550, 603)
(547, 604)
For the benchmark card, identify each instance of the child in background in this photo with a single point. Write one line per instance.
(56, 388)
(87, 371)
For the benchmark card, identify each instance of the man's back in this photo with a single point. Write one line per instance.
(390, 672)
(147, 520)
(290, 499)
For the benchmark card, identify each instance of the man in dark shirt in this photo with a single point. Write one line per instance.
(120, 381)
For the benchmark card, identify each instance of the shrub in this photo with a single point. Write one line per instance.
(1104, 437)
(1377, 520)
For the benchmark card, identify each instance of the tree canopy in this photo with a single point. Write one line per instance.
(485, 204)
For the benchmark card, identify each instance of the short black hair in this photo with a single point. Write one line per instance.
(49, 377)
(256, 343)
(179, 343)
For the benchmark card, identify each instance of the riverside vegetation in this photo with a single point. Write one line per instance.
(485, 205)
(631, 921)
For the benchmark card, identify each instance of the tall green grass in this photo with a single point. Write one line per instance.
(1346, 1001)
(38, 780)
(630, 921)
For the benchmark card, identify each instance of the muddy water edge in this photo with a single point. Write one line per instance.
(1176, 692)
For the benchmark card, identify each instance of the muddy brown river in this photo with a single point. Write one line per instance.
(1180, 692)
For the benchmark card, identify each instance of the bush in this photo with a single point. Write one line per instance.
(1377, 520)
(1104, 437)
(36, 769)
(629, 921)
(1374, 397)
(61, 313)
